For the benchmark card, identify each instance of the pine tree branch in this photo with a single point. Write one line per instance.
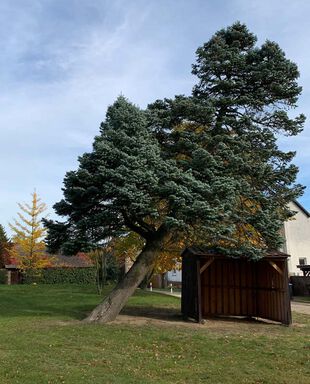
(138, 229)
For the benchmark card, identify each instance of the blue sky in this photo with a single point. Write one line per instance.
(63, 62)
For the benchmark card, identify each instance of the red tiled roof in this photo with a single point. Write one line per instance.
(81, 260)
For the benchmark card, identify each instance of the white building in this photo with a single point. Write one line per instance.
(174, 276)
(296, 233)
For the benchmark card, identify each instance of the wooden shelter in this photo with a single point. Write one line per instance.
(218, 285)
(13, 274)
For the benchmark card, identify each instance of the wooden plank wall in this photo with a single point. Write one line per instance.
(231, 287)
(226, 288)
(189, 301)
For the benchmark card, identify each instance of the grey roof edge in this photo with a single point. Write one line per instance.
(10, 266)
(303, 209)
(201, 251)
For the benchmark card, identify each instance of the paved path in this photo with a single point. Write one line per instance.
(174, 294)
(296, 306)
(301, 307)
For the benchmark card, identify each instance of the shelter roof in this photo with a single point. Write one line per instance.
(204, 251)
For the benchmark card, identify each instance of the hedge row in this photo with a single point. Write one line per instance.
(3, 276)
(61, 276)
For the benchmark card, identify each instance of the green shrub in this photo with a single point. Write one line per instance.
(3, 276)
(61, 276)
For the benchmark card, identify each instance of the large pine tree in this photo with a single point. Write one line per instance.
(126, 184)
(203, 169)
(237, 111)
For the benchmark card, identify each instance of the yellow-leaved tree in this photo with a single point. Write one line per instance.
(29, 249)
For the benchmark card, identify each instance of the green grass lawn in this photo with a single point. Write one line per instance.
(43, 341)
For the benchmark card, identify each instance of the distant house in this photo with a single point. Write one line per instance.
(174, 277)
(80, 260)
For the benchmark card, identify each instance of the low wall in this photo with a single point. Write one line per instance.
(301, 285)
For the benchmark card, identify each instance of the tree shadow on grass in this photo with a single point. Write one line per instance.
(174, 316)
(158, 313)
(73, 302)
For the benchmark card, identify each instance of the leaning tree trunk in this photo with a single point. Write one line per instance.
(116, 300)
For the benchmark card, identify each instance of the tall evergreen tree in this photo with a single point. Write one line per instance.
(4, 246)
(125, 184)
(239, 107)
(205, 168)
(250, 90)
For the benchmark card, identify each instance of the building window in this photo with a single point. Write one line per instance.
(302, 261)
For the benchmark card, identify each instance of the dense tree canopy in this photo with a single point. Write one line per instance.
(236, 112)
(126, 184)
(201, 169)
